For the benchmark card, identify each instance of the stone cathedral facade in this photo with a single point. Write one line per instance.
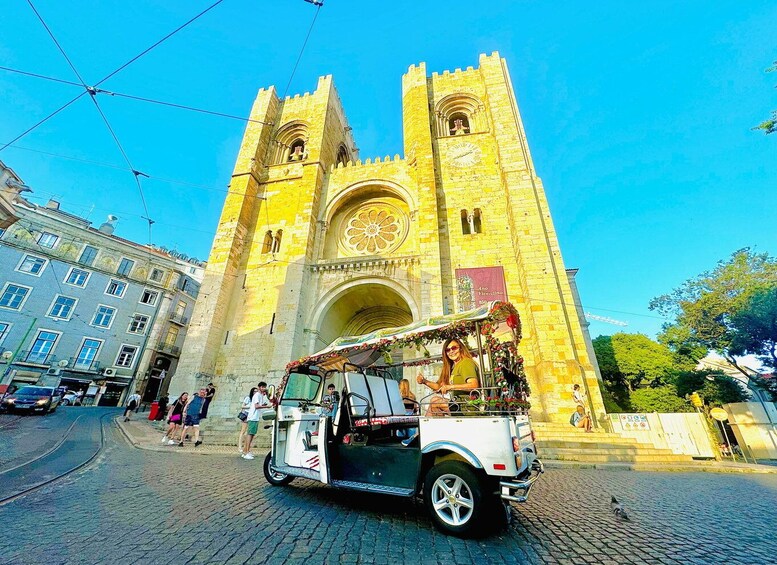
(314, 243)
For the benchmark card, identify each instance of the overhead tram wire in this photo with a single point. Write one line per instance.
(93, 96)
(120, 68)
(124, 168)
(135, 97)
(318, 5)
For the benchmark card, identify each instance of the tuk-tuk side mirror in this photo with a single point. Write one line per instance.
(268, 415)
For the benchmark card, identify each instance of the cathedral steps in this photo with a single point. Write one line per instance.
(563, 442)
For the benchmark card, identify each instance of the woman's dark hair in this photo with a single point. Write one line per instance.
(253, 391)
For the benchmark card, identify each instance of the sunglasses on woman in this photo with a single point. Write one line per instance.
(452, 348)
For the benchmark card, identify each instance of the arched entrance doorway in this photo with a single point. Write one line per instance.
(361, 308)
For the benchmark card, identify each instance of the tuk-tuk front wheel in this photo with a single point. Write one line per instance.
(453, 493)
(273, 477)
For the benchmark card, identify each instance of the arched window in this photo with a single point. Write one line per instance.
(290, 143)
(297, 151)
(460, 114)
(342, 155)
(476, 221)
(458, 124)
(276, 242)
(465, 227)
(267, 243)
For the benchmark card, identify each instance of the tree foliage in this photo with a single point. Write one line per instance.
(715, 387)
(630, 360)
(703, 307)
(662, 398)
(754, 327)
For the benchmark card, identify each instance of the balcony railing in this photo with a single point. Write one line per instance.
(87, 367)
(169, 348)
(179, 319)
(34, 357)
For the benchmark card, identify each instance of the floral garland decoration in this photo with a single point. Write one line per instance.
(504, 354)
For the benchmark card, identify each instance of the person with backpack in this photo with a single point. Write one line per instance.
(133, 403)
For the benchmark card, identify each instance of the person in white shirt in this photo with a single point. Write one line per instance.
(578, 396)
(244, 421)
(259, 403)
(133, 402)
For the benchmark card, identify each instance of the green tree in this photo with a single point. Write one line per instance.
(703, 306)
(631, 360)
(662, 398)
(754, 327)
(715, 387)
(770, 125)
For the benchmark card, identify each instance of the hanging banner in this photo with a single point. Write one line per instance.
(480, 286)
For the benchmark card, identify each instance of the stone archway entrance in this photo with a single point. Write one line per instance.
(361, 309)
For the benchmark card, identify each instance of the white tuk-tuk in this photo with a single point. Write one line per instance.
(468, 464)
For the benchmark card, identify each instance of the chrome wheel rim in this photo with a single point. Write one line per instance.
(275, 474)
(452, 500)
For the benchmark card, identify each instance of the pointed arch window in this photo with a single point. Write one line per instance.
(342, 155)
(267, 243)
(477, 226)
(465, 227)
(276, 242)
(471, 223)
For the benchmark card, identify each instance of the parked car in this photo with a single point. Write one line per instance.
(72, 398)
(468, 465)
(43, 399)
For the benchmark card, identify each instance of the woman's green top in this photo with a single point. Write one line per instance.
(463, 370)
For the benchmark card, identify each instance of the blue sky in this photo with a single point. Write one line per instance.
(638, 115)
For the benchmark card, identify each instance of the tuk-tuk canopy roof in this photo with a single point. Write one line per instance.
(366, 349)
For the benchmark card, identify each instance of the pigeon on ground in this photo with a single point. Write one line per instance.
(618, 509)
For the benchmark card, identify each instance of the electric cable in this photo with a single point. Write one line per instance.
(304, 44)
(92, 95)
(120, 68)
(135, 97)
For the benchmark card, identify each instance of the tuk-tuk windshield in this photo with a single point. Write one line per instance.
(301, 387)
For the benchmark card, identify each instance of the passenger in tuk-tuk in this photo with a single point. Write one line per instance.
(459, 373)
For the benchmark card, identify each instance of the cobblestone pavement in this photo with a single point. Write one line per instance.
(24, 436)
(135, 506)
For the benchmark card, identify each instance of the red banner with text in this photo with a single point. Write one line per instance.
(479, 286)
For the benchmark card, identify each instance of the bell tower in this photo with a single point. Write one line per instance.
(247, 324)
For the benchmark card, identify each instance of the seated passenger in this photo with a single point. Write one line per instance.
(408, 398)
(580, 419)
(459, 373)
(330, 401)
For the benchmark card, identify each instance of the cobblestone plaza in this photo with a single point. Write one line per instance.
(138, 506)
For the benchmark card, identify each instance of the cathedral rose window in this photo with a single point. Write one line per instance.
(372, 230)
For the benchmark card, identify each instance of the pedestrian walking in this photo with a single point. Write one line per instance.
(175, 418)
(259, 403)
(191, 416)
(133, 402)
(210, 392)
(243, 417)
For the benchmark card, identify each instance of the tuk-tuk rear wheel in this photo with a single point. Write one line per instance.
(273, 477)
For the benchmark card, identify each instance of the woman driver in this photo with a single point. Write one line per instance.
(459, 372)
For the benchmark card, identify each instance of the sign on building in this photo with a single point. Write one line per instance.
(632, 422)
(480, 286)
